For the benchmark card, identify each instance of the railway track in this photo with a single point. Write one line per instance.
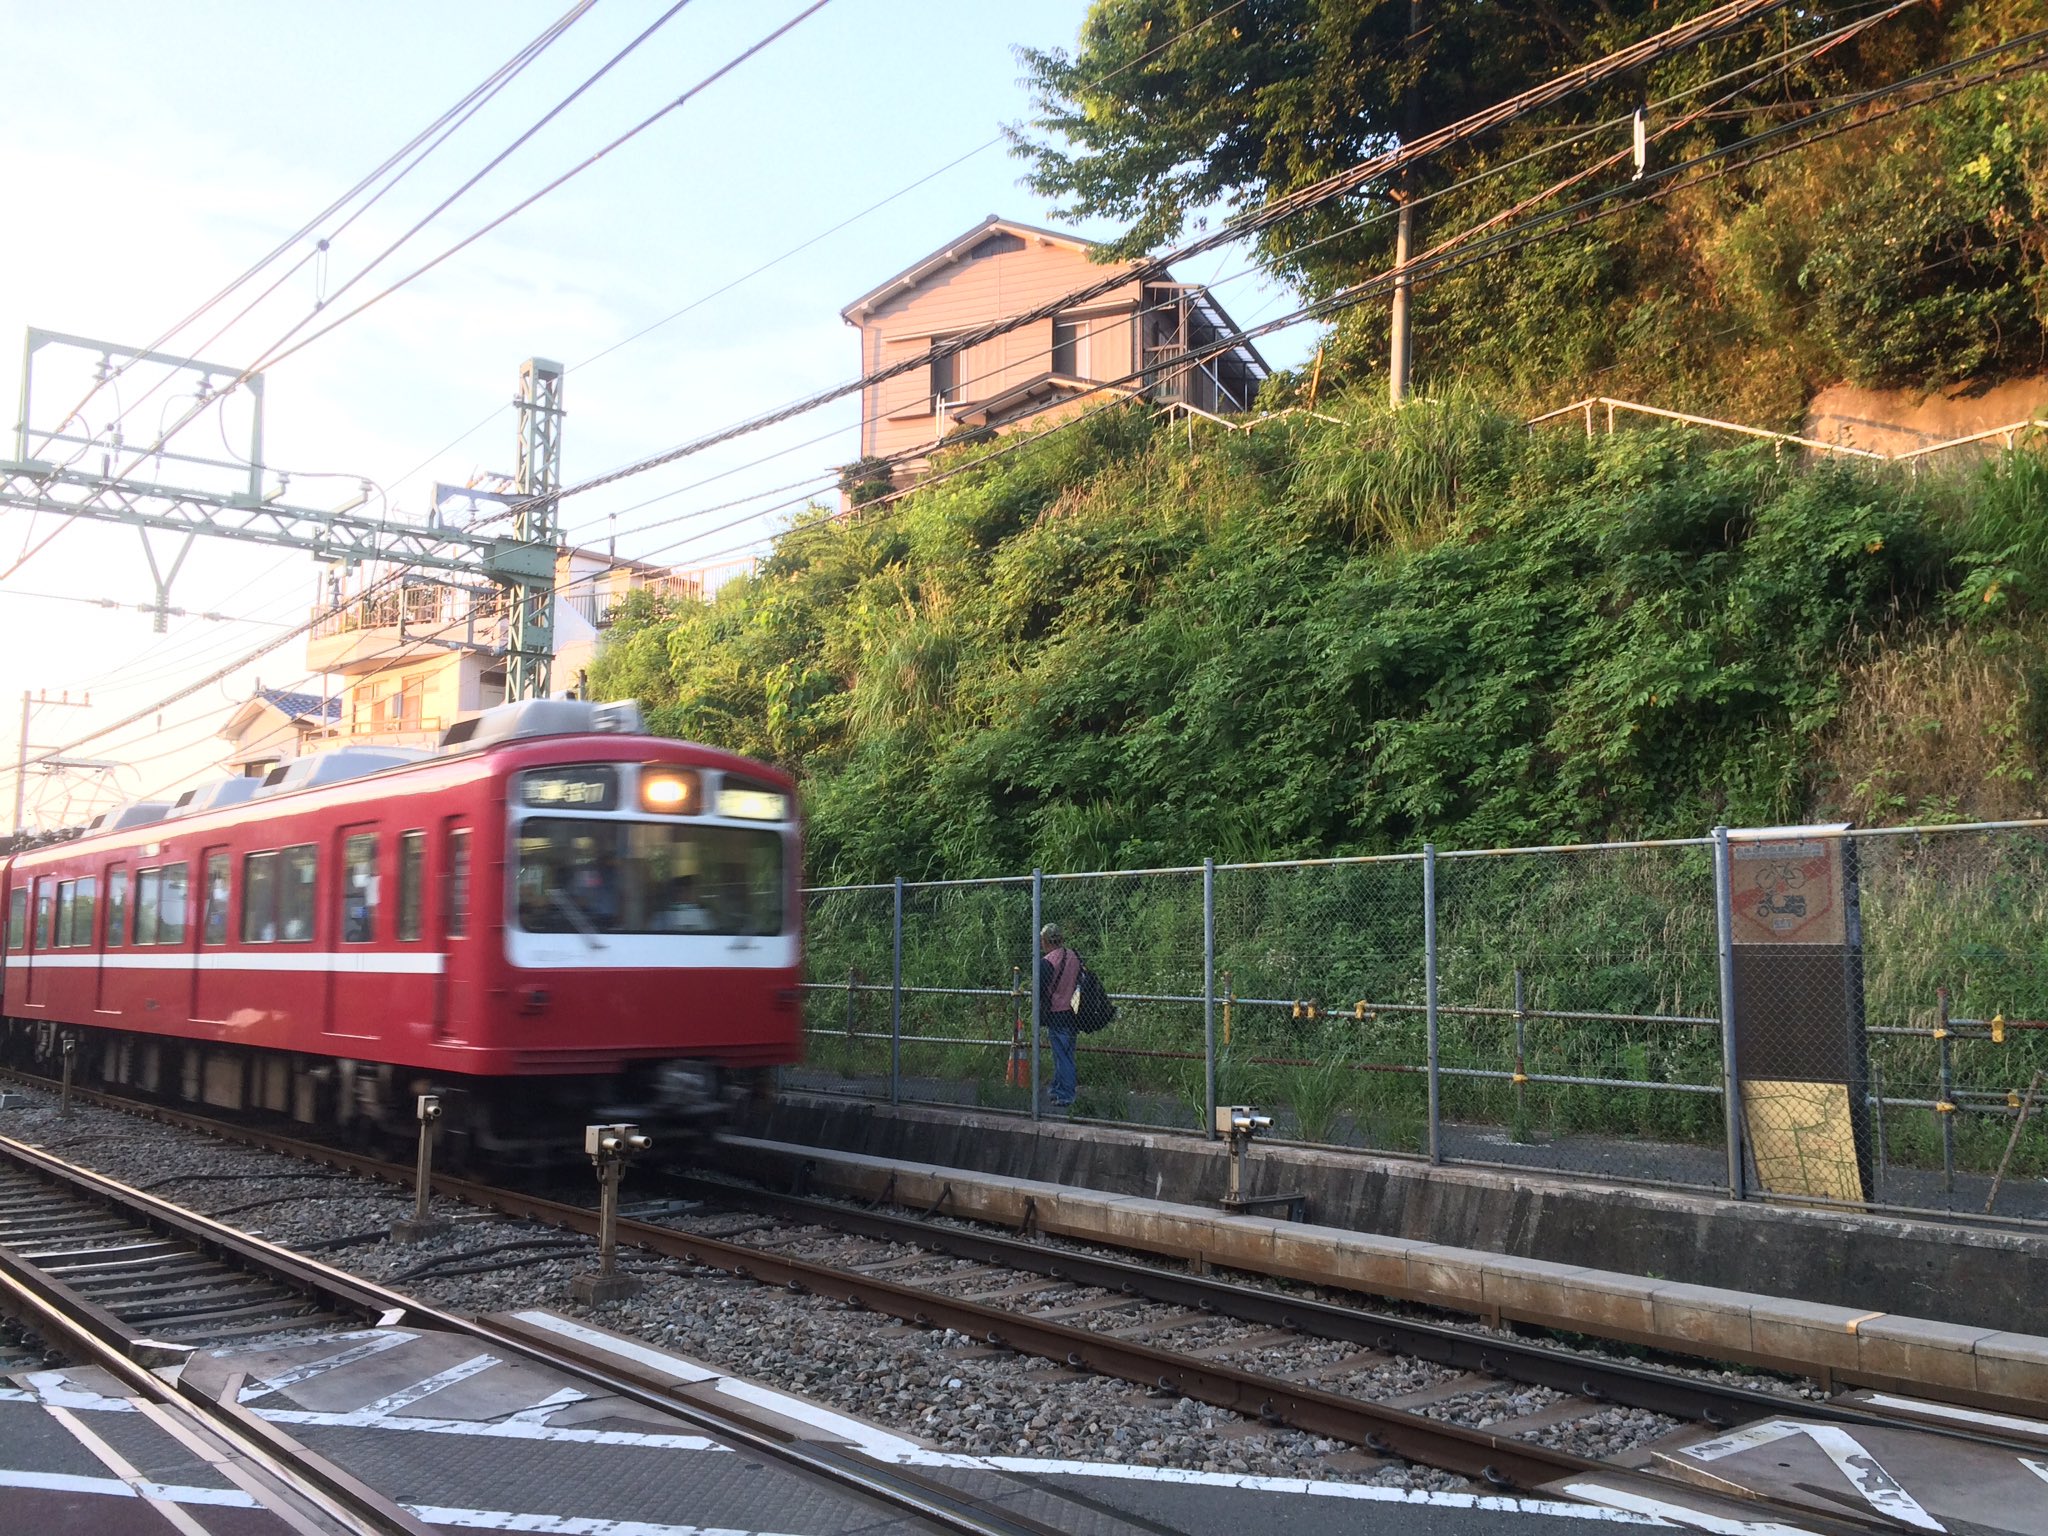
(877, 1283)
(59, 1220)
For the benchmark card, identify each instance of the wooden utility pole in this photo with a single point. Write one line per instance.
(1398, 358)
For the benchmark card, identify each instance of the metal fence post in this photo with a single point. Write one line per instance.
(1037, 1001)
(1209, 997)
(1731, 1100)
(896, 1005)
(1436, 1147)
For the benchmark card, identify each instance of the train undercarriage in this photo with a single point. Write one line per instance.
(486, 1122)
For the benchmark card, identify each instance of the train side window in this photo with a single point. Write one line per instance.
(171, 895)
(259, 898)
(148, 884)
(359, 889)
(412, 875)
(458, 883)
(297, 881)
(17, 918)
(65, 903)
(117, 906)
(45, 902)
(214, 924)
(84, 903)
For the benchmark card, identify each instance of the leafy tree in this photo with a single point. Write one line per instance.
(1907, 252)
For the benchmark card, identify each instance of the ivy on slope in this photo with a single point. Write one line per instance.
(1121, 647)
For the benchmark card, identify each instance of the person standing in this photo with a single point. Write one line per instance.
(1059, 979)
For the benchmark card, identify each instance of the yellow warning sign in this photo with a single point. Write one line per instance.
(1803, 1138)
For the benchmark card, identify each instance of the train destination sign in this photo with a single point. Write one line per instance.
(572, 789)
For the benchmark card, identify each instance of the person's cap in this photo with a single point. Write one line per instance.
(1050, 934)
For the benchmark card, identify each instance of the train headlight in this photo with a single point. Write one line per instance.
(669, 791)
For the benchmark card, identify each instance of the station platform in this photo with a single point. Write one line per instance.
(1983, 1364)
(1978, 1278)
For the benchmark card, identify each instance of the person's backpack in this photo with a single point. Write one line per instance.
(1092, 1008)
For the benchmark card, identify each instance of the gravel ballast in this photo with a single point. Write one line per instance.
(939, 1386)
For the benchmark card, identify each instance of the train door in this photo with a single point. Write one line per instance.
(456, 997)
(357, 985)
(213, 985)
(107, 987)
(17, 940)
(41, 935)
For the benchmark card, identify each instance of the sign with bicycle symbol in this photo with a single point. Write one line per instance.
(1787, 892)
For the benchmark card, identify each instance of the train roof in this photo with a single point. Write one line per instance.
(532, 723)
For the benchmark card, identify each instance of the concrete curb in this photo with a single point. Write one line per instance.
(1988, 1367)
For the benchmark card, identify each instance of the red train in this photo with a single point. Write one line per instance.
(554, 919)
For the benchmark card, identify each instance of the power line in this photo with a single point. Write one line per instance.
(1538, 228)
(451, 119)
(276, 357)
(1712, 24)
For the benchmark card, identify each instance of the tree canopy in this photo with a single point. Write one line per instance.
(1910, 251)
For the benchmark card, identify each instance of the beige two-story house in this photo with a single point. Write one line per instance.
(1132, 340)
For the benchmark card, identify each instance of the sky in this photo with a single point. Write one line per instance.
(154, 153)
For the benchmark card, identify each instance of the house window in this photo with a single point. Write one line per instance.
(945, 376)
(389, 704)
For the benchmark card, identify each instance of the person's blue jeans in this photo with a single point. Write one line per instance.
(1064, 1073)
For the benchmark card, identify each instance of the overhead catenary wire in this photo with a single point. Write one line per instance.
(444, 125)
(1355, 294)
(1784, 59)
(1712, 24)
(1586, 211)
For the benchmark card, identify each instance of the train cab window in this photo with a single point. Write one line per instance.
(359, 889)
(277, 896)
(458, 883)
(412, 876)
(65, 903)
(46, 900)
(214, 925)
(590, 877)
(17, 919)
(117, 907)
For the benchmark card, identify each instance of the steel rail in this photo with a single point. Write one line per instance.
(1606, 1381)
(68, 1322)
(1499, 1462)
(45, 1301)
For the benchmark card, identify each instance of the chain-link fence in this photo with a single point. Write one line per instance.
(1878, 999)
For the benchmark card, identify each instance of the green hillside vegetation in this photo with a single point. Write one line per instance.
(1129, 644)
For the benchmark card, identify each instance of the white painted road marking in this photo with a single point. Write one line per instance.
(1881, 1491)
(374, 1344)
(1660, 1512)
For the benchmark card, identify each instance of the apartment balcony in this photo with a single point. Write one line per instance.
(374, 632)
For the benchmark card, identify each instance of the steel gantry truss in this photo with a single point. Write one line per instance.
(71, 471)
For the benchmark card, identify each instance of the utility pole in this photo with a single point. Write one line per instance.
(531, 651)
(30, 702)
(1404, 225)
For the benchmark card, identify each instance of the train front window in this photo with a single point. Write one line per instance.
(17, 919)
(595, 877)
